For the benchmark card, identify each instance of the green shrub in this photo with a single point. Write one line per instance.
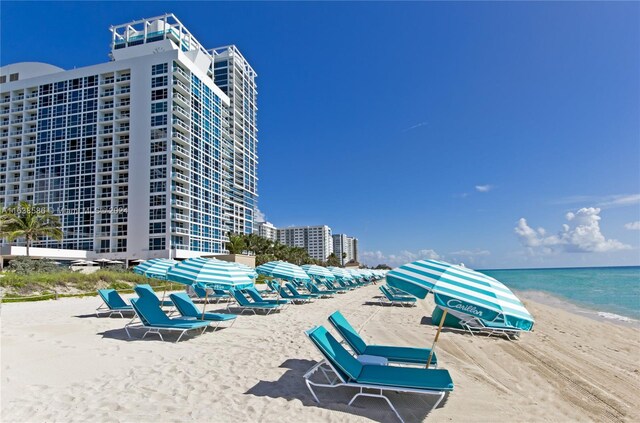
(27, 266)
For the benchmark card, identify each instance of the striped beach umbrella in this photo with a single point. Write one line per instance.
(462, 290)
(216, 274)
(341, 273)
(155, 268)
(283, 270)
(356, 274)
(251, 272)
(319, 272)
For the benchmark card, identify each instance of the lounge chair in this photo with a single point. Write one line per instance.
(245, 305)
(330, 286)
(296, 296)
(351, 372)
(188, 309)
(391, 299)
(145, 290)
(393, 354)
(314, 289)
(345, 285)
(209, 294)
(113, 302)
(255, 296)
(474, 325)
(154, 320)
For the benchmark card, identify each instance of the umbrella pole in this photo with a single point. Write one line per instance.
(433, 347)
(206, 300)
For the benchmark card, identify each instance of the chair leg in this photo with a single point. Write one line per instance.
(380, 395)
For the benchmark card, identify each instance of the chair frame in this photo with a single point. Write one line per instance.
(385, 300)
(337, 381)
(251, 307)
(156, 329)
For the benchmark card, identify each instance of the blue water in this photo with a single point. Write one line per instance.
(606, 290)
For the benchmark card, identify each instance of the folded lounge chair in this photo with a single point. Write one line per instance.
(474, 325)
(393, 354)
(145, 290)
(188, 309)
(350, 372)
(154, 320)
(245, 305)
(392, 299)
(113, 302)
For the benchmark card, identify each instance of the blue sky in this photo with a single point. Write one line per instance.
(424, 129)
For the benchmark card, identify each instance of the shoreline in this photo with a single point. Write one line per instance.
(551, 300)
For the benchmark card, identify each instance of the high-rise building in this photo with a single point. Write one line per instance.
(345, 248)
(233, 74)
(315, 239)
(267, 230)
(151, 154)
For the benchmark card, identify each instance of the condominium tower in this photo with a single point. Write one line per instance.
(345, 248)
(152, 154)
(315, 239)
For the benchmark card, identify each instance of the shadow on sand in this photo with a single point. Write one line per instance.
(291, 386)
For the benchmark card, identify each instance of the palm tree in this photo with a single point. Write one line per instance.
(31, 222)
(236, 244)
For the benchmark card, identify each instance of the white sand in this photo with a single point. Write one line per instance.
(60, 363)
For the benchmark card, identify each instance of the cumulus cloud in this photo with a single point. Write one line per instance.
(581, 234)
(484, 188)
(259, 216)
(633, 226)
(398, 259)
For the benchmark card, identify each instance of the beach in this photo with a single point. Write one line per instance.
(60, 363)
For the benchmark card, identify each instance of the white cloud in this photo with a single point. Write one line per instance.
(484, 188)
(397, 259)
(604, 201)
(259, 216)
(582, 234)
(633, 226)
(417, 125)
(470, 253)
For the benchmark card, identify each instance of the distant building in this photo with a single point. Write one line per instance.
(315, 239)
(345, 248)
(267, 230)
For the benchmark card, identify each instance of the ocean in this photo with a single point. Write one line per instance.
(610, 292)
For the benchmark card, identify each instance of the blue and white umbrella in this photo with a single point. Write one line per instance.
(463, 290)
(216, 274)
(155, 268)
(283, 270)
(341, 273)
(356, 274)
(319, 272)
(251, 272)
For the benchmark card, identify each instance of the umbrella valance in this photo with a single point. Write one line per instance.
(216, 274)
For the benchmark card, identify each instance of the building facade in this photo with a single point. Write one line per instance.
(267, 230)
(137, 155)
(345, 248)
(315, 239)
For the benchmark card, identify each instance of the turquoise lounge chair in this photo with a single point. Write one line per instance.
(314, 289)
(297, 296)
(216, 295)
(391, 299)
(154, 320)
(145, 290)
(245, 305)
(188, 309)
(113, 302)
(351, 372)
(394, 354)
(255, 296)
(345, 285)
(331, 287)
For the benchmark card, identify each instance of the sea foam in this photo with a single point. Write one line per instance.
(614, 316)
